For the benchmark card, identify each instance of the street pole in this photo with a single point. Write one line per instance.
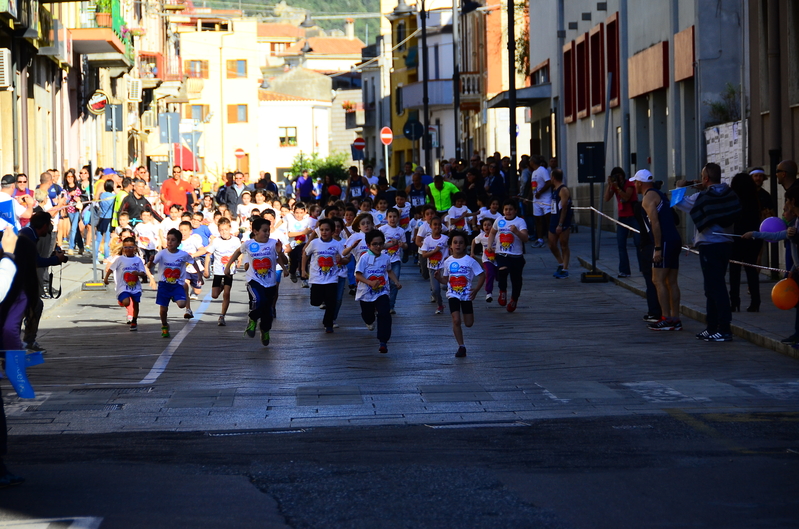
(456, 77)
(425, 99)
(114, 134)
(511, 185)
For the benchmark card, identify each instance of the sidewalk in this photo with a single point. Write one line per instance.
(765, 328)
(71, 277)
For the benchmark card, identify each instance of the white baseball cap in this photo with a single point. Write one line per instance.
(643, 176)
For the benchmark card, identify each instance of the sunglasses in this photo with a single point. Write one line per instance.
(22, 181)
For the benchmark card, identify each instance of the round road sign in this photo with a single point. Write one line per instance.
(97, 102)
(240, 153)
(386, 136)
(359, 144)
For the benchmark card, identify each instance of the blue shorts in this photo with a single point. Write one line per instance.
(278, 275)
(135, 297)
(671, 255)
(554, 220)
(169, 292)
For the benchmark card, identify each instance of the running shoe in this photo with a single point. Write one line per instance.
(194, 297)
(663, 325)
(461, 352)
(305, 283)
(440, 309)
(335, 325)
(129, 319)
(539, 243)
(562, 274)
(503, 298)
(34, 346)
(134, 326)
(392, 311)
(433, 299)
(511, 305)
(250, 330)
(489, 298)
(165, 331)
(791, 340)
(322, 306)
(651, 319)
(623, 275)
(678, 325)
(557, 272)
(265, 338)
(189, 314)
(352, 290)
(702, 335)
(329, 330)
(221, 321)
(293, 278)
(719, 337)
(383, 348)
(370, 326)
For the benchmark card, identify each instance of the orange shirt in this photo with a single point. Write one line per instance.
(175, 193)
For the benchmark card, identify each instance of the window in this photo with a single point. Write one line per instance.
(288, 136)
(237, 113)
(582, 84)
(196, 112)
(540, 73)
(568, 82)
(214, 25)
(236, 69)
(398, 107)
(197, 69)
(277, 47)
(598, 80)
(612, 43)
(401, 34)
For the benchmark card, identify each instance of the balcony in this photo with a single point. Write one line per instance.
(470, 87)
(439, 93)
(100, 36)
(154, 68)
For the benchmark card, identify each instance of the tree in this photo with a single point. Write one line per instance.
(332, 166)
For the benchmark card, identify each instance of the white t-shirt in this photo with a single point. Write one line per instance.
(454, 213)
(190, 246)
(167, 224)
(323, 263)
(434, 261)
(11, 209)
(262, 258)
(397, 234)
(373, 180)
(380, 217)
(222, 249)
(541, 177)
(244, 211)
(293, 225)
(459, 274)
(488, 253)
(485, 213)
(126, 270)
(405, 217)
(506, 241)
(373, 267)
(361, 248)
(279, 235)
(147, 235)
(172, 266)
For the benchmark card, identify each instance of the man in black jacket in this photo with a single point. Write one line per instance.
(136, 202)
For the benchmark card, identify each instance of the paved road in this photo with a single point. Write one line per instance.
(569, 400)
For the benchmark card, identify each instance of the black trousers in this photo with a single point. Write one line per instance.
(514, 266)
(745, 251)
(295, 257)
(645, 266)
(261, 301)
(382, 306)
(327, 294)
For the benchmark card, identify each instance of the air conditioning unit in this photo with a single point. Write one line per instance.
(5, 68)
(134, 90)
(148, 119)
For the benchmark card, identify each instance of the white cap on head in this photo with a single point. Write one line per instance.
(643, 176)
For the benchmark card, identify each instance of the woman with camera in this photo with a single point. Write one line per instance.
(627, 200)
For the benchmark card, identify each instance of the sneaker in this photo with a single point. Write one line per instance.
(433, 299)
(383, 348)
(558, 271)
(678, 325)
(489, 298)
(221, 321)
(165, 331)
(352, 291)
(189, 314)
(662, 325)
(791, 340)
(461, 352)
(134, 326)
(34, 346)
(329, 330)
(335, 325)
(129, 319)
(719, 337)
(503, 298)
(511, 305)
(293, 278)
(265, 338)
(704, 334)
(305, 283)
(250, 330)
(322, 306)
(440, 309)
(622, 275)
(10, 480)
(563, 274)
(539, 243)
(370, 326)
(392, 311)
(651, 319)
(194, 297)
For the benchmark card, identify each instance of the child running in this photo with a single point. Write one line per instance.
(261, 254)
(373, 273)
(324, 257)
(489, 257)
(129, 270)
(395, 245)
(507, 237)
(171, 274)
(221, 248)
(457, 272)
(434, 249)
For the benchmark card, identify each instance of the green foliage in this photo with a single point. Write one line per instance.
(102, 6)
(727, 108)
(522, 42)
(333, 166)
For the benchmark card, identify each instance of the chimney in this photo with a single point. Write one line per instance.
(349, 28)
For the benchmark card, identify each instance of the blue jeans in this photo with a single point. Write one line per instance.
(396, 267)
(435, 288)
(342, 283)
(621, 240)
(74, 219)
(714, 259)
(351, 271)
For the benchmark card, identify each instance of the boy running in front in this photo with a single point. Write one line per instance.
(324, 257)
(171, 273)
(129, 270)
(221, 248)
(373, 273)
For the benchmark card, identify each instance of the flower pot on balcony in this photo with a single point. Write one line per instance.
(103, 20)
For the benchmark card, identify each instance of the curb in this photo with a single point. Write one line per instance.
(699, 315)
(67, 295)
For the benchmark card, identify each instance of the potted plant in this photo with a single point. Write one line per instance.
(102, 13)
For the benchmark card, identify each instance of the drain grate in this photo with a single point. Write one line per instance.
(253, 432)
(111, 391)
(464, 425)
(105, 407)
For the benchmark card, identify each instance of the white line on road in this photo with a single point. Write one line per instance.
(166, 356)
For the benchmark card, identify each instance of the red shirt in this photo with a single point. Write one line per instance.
(626, 208)
(175, 193)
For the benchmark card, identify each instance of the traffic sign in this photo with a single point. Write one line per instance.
(240, 153)
(359, 144)
(413, 130)
(386, 136)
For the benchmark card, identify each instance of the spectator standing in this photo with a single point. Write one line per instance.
(233, 193)
(440, 193)
(304, 188)
(13, 209)
(175, 190)
(745, 250)
(626, 199)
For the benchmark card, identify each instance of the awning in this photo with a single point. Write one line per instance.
(184, 158)
(525, 97)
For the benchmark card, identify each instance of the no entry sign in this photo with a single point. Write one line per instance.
(359, 143)
(386, 136)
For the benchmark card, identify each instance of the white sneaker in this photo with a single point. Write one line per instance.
(189, 314)
(221, 321)
(194, 297)
(305, 283)
(335, 325)
(370, 326)
(489, 298)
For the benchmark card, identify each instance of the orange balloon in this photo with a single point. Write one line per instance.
(785, 294)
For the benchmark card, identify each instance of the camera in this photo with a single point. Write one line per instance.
(58, 250)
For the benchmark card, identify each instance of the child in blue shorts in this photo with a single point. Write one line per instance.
(171, 274)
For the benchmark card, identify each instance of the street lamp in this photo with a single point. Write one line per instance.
(511, 185)
(457, 10)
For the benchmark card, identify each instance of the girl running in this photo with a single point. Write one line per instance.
(395, 246)
(324, 257)
(171, 273)
(373, 273)
(221, 249)
(129, 270)
(507, 237)
(488, 259)
(457, 272)
(434, 250)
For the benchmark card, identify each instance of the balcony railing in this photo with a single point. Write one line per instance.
(470, 86)
(91, 19)
(153, 65)
(439, 93)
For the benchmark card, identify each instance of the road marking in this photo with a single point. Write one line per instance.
(656, 392)
(80, 522)
(706, 429)
(166, 355)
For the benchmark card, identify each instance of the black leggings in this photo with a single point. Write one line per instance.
(295, 257)
(381, 306)
(513, 266)
(327, 294)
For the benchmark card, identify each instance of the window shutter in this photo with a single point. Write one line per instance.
(206, 109)
(204, 69)
(232, 113)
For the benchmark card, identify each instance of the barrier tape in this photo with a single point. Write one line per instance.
(686, 248)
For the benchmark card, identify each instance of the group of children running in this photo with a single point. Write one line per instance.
(343, 246)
